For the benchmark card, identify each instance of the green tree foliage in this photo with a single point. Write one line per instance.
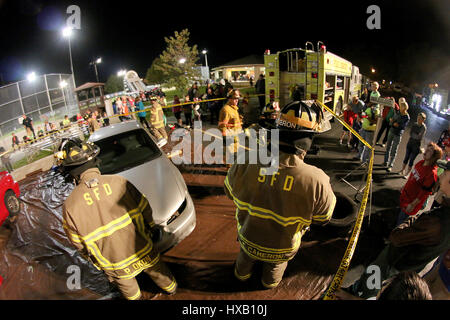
(178, 74)
(114, 84)
(153, 75)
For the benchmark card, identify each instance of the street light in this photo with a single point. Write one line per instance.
(182, 60)
(67, 33)
(121, 73)
(373, 70)
(206, 57)
(95, 63)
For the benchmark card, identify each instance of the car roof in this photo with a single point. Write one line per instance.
(114, 129)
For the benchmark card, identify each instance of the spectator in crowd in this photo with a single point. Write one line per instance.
(126, 108)
(28, 123)
(416, 135)
(414, 244)
(212, 106)
(251, 81)
(119, 108)
(438, 196)
(193, 92)
(93, 123)
(142, 114)
(105, 119)
(398, 125)
(348, 118)
(40, 132)
(260, 88)
(247, 109)
(196, 110)
(26, 139)
(443, 137)
(15, 141)
(407, 285)
(66, 121)
(87, 115)
(177, 109)
(5, 157)
(228, 85)
(79, 119)
(420, 183)
(365, 95)
(187, 110)
(114, 106)
(369, 125)
(385, 124)
(357, 126)
(131, 106)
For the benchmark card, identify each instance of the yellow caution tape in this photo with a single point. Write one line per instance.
(345, 262)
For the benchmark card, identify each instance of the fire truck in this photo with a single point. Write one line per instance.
(311, 74)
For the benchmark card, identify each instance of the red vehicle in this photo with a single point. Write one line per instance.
(9, 194)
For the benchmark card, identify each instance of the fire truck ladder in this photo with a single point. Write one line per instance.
(307, 71)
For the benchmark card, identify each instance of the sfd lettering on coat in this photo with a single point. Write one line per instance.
(96, 191)
(288, 181)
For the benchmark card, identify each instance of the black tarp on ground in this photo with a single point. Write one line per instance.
(36, 260)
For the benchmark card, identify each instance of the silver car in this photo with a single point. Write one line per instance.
(128, 150)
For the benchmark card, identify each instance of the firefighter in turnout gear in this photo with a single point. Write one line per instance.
(157, 119)
(110, 222)
(274, 211)
(230, 122)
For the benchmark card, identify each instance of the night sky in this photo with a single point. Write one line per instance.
(412, 45)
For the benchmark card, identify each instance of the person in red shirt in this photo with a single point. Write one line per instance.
(420, 183)
(349, 117)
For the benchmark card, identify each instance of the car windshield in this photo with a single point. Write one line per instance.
(125, 151)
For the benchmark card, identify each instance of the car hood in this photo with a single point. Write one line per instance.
(161, 183)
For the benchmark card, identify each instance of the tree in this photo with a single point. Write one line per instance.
(114, 84)
(178, 60)
(153, 75)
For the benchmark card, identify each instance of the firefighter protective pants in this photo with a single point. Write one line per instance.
(159, 273)
(272, 273)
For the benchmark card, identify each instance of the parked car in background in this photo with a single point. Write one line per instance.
(9, 192)
(128, 150)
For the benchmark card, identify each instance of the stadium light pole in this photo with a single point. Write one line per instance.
(67, 33)
(95, 63)
(206, 57)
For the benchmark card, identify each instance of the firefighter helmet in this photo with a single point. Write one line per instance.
(74, 152)
(303, 116)
(298, 122)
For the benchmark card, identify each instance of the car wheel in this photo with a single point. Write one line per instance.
(12, 202)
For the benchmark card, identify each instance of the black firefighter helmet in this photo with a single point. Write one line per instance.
(299, 121)
(74, 152)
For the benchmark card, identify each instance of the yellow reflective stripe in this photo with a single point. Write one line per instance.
(242, 278)
(93, 249)
(108, 229)
(73, 236)
(114, 225)
(269, 285)
(131, 259)
(136, 296)
(271, 250)
(152, 263)
(327, 216)
(264, 213)
(170, 287)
